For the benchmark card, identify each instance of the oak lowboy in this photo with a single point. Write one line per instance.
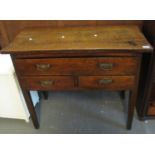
(79, 58)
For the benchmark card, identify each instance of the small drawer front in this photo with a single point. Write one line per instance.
(48, 83)
(107, 82)
(78, 66)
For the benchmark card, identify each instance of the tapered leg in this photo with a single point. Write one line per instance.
(131, 107)
(133, 96)
(31, 108)
(26, 94)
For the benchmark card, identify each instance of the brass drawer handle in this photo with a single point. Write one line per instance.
(46, 83)
(105, 81)
(42, 67)
(106, 66)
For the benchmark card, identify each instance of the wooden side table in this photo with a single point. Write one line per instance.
(79, 58)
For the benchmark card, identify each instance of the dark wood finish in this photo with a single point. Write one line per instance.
(74, 54)
(149, 84)
(133, 97)
(4, 39)
(152, 95)
(77, 66)
(48, 82)
(145, 104)
(10, 28)
(106, 82)
(113, 63)
(81, 38)
(31, 108)
(27, 97)
(84, 82)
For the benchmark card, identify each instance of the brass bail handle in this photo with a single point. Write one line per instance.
(105, 81)
(46, 83)
(106, 66)
(42, 67)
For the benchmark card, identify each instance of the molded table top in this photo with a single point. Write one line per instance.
(79, 38)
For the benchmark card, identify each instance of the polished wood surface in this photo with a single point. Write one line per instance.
(77, 66)
(79, 58)
(107, 82)
(145, 104)
(48, 82)
(79, 38)
(10, 28)
(83, 82)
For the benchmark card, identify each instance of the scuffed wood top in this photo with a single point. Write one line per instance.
(79, 38)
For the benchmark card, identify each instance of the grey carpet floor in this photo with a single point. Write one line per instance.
(96, 112)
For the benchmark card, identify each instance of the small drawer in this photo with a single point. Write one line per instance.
(48, 83)
(107, 82)
(77, 66)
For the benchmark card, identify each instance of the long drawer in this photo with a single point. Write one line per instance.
(106, 82)
(77, 66)
(48, 82)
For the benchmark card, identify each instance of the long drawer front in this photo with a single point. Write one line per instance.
(81, 82)
(77, 66)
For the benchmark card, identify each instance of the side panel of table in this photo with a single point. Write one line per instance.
(146, 101)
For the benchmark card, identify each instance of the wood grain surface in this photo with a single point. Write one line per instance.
(79, 38)
(77, 66)
(107, 82)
